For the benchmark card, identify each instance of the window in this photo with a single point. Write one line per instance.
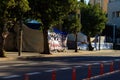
(118, 14)
(113, 14)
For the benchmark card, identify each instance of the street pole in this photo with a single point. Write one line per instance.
(99, 40)
(114, 36)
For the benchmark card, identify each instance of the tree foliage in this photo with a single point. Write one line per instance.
(50, 13)
(9, 10)
(93, 20)
(72, 24)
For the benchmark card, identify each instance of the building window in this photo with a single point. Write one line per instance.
(118, 14)
(113, 14)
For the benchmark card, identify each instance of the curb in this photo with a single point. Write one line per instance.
(7, 58)
(103, 75)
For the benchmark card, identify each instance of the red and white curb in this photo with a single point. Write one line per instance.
(99, 76)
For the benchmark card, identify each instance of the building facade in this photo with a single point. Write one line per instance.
(114, 19)
(114, 12)
(102, 3)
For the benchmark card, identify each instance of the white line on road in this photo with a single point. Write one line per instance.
(4, 66)
(86, 64)
(95, 63)
(117, 60)
(49, 70)
(78, 66)
(33, 63)
(12, 76)
(99, 76)
(64, 68)
(105, 61)
(18, 65)
(33, 73)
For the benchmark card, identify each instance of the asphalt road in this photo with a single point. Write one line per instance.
(42, 68)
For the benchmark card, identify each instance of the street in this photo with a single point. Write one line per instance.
(43, 68)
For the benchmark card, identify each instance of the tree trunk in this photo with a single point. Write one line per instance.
(76, 42)
(46, 45)
(2, 41)
(20, 38)
(90, 48)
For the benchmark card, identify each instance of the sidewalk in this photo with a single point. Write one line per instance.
(14, 55)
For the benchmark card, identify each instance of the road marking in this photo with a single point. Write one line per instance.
(12, 76)
(65, 68)
(18, 65)
(33, 73)
(78, 66)
(86, 64)
(117, 60)
(4, 66)
(33, 63)
(95, 63)
(49, 70)
(99, 76)
(105, 61)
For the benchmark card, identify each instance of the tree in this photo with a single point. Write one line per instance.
(50, 13)
(7, 12)
(72, 25)
(18, 12)
(82, 1)
(93, 20)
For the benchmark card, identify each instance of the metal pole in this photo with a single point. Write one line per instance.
(99, 41)
(114, 33)
(114, 36)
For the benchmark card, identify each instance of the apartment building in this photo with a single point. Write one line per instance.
(114, 12)
(114, 19)
(103, 4)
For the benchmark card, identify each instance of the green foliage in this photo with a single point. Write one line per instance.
(12, 8)
(72, 23)
(51, 12)
(20, 8)
(93, 20)
(82, 1)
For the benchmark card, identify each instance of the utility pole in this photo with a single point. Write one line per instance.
(114, 36)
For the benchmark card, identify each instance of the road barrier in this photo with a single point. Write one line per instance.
(89, 75)
(26, 77)
(73, 74)
(101, 69)
(112, 66)
(53, 75)
(89, 72)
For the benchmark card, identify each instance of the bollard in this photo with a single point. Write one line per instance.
(101, 69)
(112, 66)
(73, 74)
(89, 71)
(26, 77)
(53, 75)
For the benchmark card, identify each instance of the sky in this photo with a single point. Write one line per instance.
(85, 0)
